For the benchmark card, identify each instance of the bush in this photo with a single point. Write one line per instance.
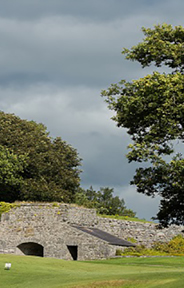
(175, 247)
(118, 252)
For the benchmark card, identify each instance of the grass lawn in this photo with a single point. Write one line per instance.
(35, 272)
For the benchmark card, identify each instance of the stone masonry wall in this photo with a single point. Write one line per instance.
(50, 225)
(143, 233)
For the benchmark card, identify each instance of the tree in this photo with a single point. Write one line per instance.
(152, 110)
(51, 172)
(104, 201)
(11, 169)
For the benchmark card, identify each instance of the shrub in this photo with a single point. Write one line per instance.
(118, 252)
(175, 247)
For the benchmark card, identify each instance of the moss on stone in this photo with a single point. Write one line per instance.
(6, 207)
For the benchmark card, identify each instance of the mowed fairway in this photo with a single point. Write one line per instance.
(35, 272)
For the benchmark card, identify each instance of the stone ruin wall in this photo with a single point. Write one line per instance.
(143, 233)
(51, 226)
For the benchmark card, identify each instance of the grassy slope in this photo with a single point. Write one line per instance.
(118, 217)
(35, 272)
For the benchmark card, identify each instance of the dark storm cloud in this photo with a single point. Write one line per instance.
(57, 55)
(64, 50)
(83, 121)
(101, 10)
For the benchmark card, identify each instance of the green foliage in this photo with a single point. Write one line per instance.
(141, 250)
(118, 252)
(104, 201)
(11, 169)
(152, 111)
(175, 247)
(162, 45)
(43, 169)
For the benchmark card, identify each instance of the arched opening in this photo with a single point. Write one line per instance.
(73, 251)
(31, 248)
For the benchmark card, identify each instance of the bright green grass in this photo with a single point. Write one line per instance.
(35, 272)
(118, 217)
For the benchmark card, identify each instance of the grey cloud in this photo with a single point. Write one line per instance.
(66, 50)
(98, 10)
(61, 49)
(57, 55)
(69, 50)
(146, 207)
(83, 121)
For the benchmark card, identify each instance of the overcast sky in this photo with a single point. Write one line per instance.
(57, 55)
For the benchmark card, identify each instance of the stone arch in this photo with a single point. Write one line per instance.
(31, 248)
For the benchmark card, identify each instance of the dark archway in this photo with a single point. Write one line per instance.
(73, 251)
(31, 248)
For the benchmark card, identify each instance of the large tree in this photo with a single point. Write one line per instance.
(50, 171)
(152, 110)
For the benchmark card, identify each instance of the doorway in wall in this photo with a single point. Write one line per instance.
(73, 249)
(31, 248)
